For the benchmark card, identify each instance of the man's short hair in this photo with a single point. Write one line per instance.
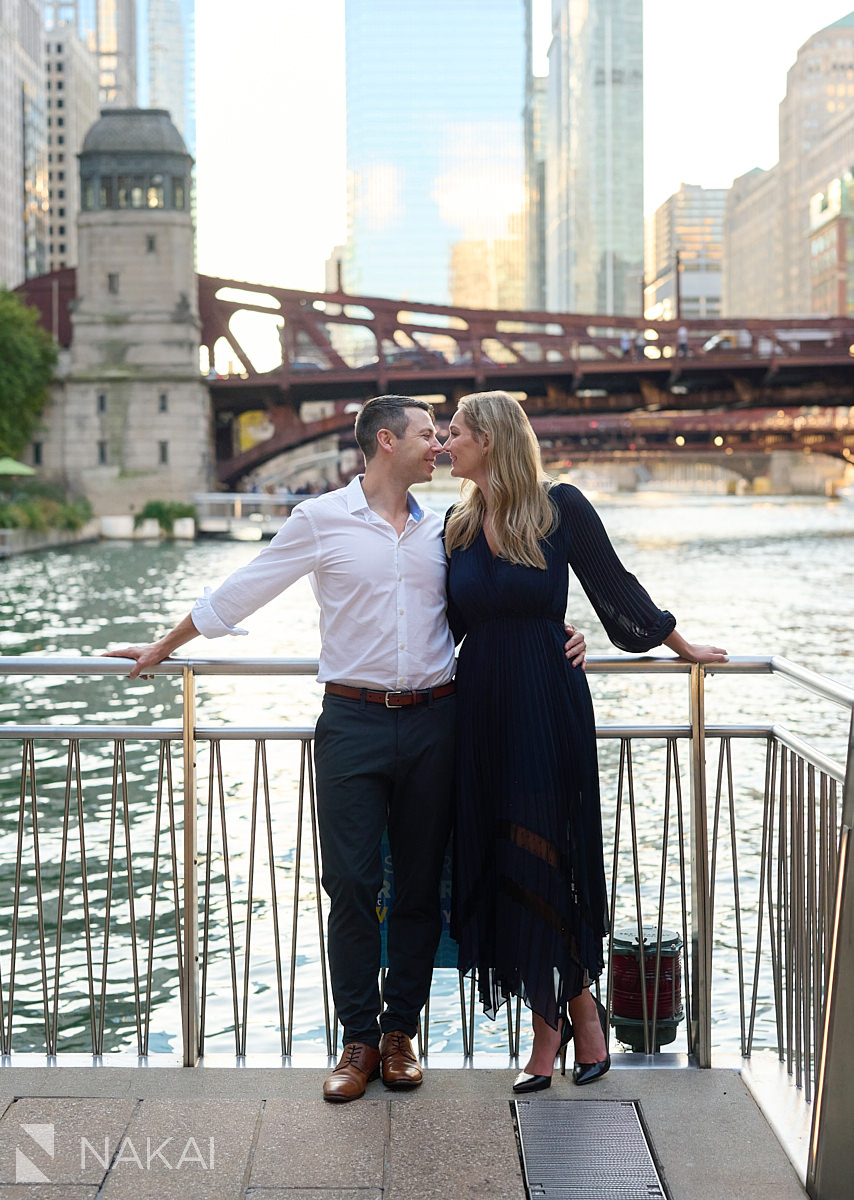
(385, 412)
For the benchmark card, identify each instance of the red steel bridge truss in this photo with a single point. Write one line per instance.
(591, 384)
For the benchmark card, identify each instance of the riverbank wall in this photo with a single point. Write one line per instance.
(26, 541)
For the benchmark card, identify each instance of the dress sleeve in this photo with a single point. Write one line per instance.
(455, 617)
(631, 620)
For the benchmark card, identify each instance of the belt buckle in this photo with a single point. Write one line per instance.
(396, 692)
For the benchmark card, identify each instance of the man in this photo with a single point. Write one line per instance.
(385, 739)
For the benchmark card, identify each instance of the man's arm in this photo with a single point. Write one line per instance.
(291, 554)
(155, 652)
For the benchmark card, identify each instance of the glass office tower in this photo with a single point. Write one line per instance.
(167, 62)
(435, 155)
(594, 177)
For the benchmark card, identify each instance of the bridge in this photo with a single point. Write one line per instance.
(592, 383)
(589, 382)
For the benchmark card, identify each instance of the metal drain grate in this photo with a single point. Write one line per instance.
(586, 1150)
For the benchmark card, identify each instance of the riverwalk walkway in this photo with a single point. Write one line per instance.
(220, 1133)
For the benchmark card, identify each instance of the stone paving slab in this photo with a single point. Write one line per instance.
(302, 1194)
(314, 1144)
(199, 1149)
(37, 1191)
(53, 1145)
(465, 1149)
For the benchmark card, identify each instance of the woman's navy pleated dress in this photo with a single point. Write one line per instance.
(529, 907)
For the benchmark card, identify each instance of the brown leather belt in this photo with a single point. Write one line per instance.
(401, 698)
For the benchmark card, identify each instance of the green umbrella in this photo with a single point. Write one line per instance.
(9, 466)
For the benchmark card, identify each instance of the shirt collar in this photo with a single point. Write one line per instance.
(356, 501)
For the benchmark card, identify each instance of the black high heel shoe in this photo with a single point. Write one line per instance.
(539, 1083)
(586, 1072)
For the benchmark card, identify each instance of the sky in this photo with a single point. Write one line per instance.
(271, 181)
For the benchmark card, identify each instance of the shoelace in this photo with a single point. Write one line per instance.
(351, 1058)
(400, 1044)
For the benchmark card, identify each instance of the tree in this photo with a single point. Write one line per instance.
(27, 359)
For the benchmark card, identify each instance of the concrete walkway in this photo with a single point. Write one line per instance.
(219, 1134)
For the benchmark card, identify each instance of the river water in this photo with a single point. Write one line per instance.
(758, 576)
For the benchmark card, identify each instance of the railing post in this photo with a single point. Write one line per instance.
(830, 1163)
(190, 1013)
(700, 1015)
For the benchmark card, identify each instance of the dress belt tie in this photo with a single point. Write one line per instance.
(399, 698)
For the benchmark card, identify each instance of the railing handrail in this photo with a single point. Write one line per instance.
(597, 664)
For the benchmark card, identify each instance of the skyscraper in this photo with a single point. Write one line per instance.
(115, 22)
(767, 223)
(435, 157)
(72, 107)
(689, 223)
(594, 172)
(167, 63)
(23, 144)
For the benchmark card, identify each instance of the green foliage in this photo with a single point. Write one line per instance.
(40, 507)
(28, 357)
(165, 513)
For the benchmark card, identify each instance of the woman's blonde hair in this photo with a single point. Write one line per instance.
(522, 513)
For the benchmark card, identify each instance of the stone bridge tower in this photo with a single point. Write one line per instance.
(131, 421)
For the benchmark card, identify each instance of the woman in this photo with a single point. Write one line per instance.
(530, 908)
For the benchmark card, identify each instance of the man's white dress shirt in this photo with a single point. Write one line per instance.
(382, 597)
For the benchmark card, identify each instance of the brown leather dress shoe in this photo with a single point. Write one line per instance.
(357, 1066)
(400, 1068)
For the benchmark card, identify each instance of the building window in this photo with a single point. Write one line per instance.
(59, 120)
(61, 177)
(62, 251)
(37, 454)
(163, 402)
(102, 454)
(59, 85)
(163, 453)
(102, 402)
(60, 139)
(177, 191)
(62, 231)
(113, 284)
(60, 103)
(150, 243)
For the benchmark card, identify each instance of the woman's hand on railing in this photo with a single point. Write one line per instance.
(698, 654)
(576, 647)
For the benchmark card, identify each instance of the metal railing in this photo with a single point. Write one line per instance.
(146, 874)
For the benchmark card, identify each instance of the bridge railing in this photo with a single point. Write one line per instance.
(161, 883)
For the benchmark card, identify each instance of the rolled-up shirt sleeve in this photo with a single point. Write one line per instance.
(291, 554)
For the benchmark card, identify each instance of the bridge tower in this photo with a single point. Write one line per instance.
(131, 420)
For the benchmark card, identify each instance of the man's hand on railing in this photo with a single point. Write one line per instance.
(576, 648)
(692, 653)
(155, 652)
